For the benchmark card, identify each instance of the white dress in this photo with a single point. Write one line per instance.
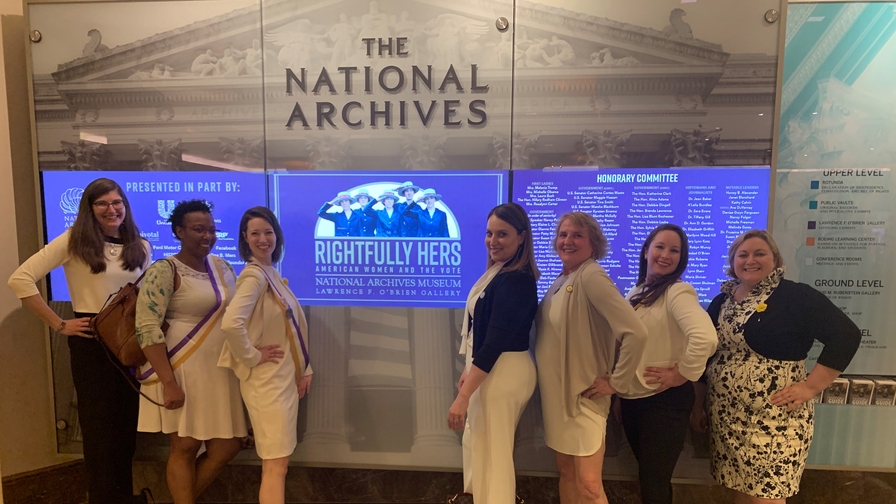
(212, 407)
(583, 434)
(269, 390)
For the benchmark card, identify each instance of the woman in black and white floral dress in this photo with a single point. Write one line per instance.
(760, 397)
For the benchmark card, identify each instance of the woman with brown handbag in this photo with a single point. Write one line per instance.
(100, 252)
(189, 291)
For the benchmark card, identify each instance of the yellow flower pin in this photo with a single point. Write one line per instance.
(761, 307)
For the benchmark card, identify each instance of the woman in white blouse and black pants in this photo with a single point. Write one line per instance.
(681, 337)
(100, 253)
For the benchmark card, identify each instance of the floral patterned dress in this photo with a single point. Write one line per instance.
(757, 448)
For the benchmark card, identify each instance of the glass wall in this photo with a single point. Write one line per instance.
(290, 103)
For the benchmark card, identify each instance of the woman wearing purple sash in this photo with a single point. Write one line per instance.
(190, 291)
(267, 348)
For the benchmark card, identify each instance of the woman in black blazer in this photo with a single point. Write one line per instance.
(760, 397)
(499, 375)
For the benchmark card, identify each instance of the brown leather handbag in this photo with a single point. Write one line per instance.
(115, 324)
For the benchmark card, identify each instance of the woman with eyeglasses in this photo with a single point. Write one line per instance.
(100, 252)
(190, 291)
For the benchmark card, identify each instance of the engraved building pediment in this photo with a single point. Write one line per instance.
(328, 34)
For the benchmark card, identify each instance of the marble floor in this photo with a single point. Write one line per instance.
(239, 483)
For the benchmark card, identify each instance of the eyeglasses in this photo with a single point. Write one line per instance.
(104, 205)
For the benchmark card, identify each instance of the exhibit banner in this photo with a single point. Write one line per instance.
(833, 228)
(386, 238)
(152, 197)
(712, 205)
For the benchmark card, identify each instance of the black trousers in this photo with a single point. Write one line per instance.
(107, 412)
(656, 427)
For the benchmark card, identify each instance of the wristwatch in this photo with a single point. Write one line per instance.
(61, 326)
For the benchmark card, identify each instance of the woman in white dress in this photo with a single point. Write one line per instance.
(658, 404)
(189, 291)
(499, 377)
(263, 320)
(579, 322)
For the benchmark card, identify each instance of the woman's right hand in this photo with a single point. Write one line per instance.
(699, 421)
(77, 327)
(270, 353)
(173, 395)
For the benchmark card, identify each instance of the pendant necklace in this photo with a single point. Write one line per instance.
(115, 245)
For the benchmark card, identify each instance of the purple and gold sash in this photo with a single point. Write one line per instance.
(290, 321)
(191, 342)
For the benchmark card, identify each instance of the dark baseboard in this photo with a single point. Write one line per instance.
(58, 484)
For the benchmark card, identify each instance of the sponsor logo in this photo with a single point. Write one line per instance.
(151, 236)
(165, 208)
(70, 200)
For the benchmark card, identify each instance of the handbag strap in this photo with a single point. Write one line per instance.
(112, 359)
(127, 378)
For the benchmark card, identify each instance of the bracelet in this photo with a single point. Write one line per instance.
(61, 326)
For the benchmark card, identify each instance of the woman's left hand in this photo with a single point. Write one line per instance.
(457, 413)
(666, 377)
(304, 385)
(792, 396)
(600, 388)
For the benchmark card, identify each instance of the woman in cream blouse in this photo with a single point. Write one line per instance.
(681, 337)
(263, 323)
(579, 322)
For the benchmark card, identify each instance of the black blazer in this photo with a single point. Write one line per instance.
(796, 316)
(503, 314)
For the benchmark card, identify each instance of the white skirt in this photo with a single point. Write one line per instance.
(212, 406)
(272, 400)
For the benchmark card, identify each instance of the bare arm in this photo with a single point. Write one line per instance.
(157, 355)
(457, 413)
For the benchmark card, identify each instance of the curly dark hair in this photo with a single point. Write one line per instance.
(183, 208)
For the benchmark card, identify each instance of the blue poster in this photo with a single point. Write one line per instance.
(152, 196)
(386, 238)
(712, 205)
